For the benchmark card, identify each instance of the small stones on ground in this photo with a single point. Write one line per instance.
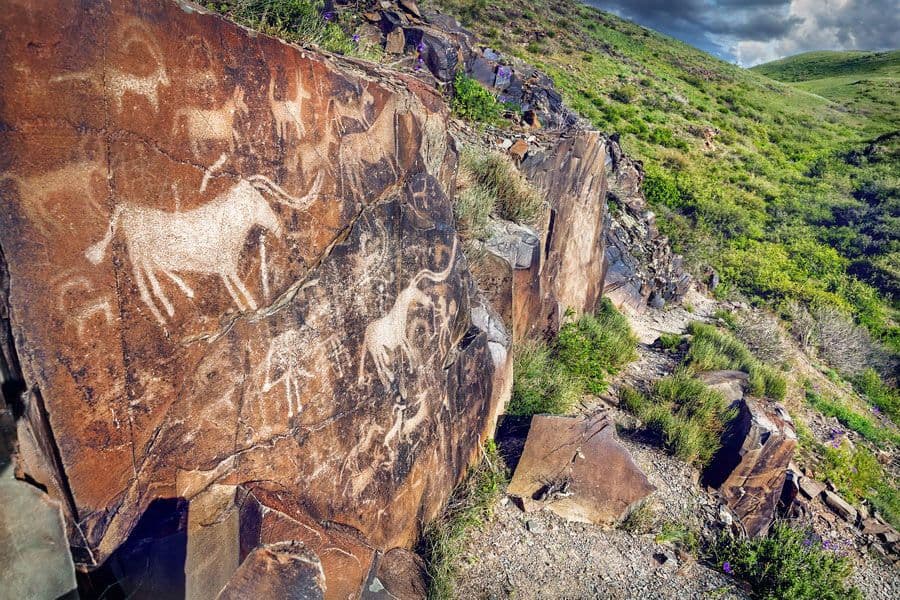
(534, 527)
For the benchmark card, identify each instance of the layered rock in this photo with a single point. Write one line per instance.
(232, 263)
(577, 468)
(749, 470)
(641, 268)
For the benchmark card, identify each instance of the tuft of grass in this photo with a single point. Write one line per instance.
(861, 424)
(640, 520)
(541, 384)
(596, 345)
(470, 506)
(515, 199)
(684, 414)
(879, 394)
(473, 209)
(670, 341)
(789, 563)
(680, 535)
(712, 350)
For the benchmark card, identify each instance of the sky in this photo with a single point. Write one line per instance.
(751, 32)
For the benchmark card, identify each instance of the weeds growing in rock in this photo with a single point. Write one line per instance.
(679, 535)
(857, 475)
(470, 506)
(473, 102)
(788, 564)
(861, 424)
(515, 199)
(640, 520)
(541, 384)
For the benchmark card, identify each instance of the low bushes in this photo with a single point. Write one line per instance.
(712, 350)
(473, 102)
(880, 395)
(684, 414)
(789, 564)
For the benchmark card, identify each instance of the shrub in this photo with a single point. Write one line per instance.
(472, 101)
(515, 198)
(470, 506)
(713, 350)
(540, 383)
(596, 345)
(684, 414)
(761, 334)
(841, 342)
(787, 564)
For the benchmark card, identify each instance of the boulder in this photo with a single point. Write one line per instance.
(749, 470)
(731, 384)
(286, 570)
(400, 575)
(576, 467)
(33, 544)
(395, 42)
(440, 53)
(811, 488)
(841, 507)
(231, 261)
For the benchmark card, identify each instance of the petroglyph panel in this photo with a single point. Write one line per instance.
(230, 261)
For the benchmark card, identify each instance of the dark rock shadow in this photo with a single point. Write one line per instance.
(510, 437)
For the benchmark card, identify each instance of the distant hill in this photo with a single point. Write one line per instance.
(867, 83)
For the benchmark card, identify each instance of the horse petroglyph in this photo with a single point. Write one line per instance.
(120, 82)
(207, 240)
(283, 366)
(387, 334)
(212, 125)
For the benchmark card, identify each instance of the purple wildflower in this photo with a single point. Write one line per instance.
(328, 15)
(876, 410)
(420, 60)
(726, 566)
(420, 47)
(807, 542)
(356, 37)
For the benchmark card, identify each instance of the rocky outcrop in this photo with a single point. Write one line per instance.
(285, 570)
(641, 268)
(232, 262)
(577, 468)
(750, 469)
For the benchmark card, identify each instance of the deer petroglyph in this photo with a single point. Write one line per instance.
(288, 113)
(211, 125)
(387, 334)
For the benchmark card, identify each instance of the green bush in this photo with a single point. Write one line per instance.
(470, 506)
(540, 383)
(685, 415)
(670, 341)
(596, 345)
(712, 350)
(788, 564)
(473, 102)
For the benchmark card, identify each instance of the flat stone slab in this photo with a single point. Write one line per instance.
(577, 468)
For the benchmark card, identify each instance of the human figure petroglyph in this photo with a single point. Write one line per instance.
(212, 125)
(118, 82)
(288, 113)
(284, 366)
(74, 181)
(387, 334)
(207, 240)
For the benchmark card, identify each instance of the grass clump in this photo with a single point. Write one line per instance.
(680, 535)
(596, 345)
(848, 417)
(684, 414)
(514, 198)
(713, 350)
(541, 384)
(885, 398)
(787, 564)
(470, 506)
(669, 341)
(640, 520)
(857, 475)
(473, 102)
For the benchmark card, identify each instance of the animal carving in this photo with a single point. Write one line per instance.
(211, 125)
(206, 240)
(284, 360)
(387, 334)
(288, 113)
(119, 82)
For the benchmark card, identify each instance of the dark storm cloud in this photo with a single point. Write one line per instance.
(754, 31)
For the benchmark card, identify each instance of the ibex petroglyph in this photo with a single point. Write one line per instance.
(388, 333)
(216, 125)
(206, 240)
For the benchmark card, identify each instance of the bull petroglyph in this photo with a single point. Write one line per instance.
(207, 240)
(212, 125)
(118, 82)
(387, 334)
(288, 113)
(284, 366)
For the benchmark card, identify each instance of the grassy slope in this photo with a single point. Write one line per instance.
(867, 82)
(757, 204)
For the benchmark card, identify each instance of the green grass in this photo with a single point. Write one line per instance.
(857, 475)
(540, 383)
(788, 564)
(683, 414)
(670, 341)
(513, 197)
(470, 507)
(712, 349)
(861, 424)
(883, 397)
(594, 346)
(473, 102)
(678, 534)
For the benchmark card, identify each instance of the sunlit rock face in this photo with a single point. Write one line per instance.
(231, 261)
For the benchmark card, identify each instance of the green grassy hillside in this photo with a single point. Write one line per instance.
(865, 82)
(753, 176)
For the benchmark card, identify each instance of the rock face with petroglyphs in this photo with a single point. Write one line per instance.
(231, 262)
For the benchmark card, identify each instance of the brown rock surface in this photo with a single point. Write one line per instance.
(231, 260)
(577, 468)
(286, 570)
(401, 575)
(750, 468)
